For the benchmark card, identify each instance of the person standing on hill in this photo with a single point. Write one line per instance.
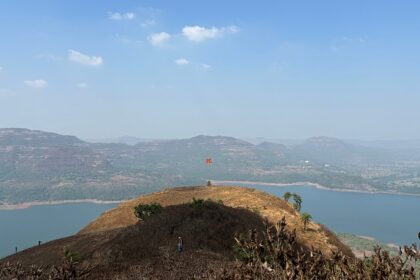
(180, 245)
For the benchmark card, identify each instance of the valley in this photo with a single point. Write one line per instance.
(41, 166)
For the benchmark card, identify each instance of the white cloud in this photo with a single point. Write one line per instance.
(1, 68)
(158, 39)
(85, 59)
(122, 16)
(82, 85)
(199, 34)
(36, 83)
(182, 61)
(205, 66)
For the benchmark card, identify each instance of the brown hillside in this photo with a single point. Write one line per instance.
(220, 242)
(148, 249)
(268, 206)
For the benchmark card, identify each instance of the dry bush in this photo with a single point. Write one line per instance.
(69, 270)
(278, 255)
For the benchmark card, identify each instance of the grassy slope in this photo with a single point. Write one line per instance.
(268, 206)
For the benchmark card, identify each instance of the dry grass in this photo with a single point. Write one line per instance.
(146, 249)
(268, 206)
(277, 255)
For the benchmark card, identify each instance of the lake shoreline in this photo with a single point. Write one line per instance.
(310, 184)
(25, 205)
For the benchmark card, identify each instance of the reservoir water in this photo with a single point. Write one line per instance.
(387, 218)
(25, 227)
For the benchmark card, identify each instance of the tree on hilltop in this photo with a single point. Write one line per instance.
(297, 202)
(287, 196)
(305, 218)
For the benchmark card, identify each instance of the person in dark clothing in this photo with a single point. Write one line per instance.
(180, 245)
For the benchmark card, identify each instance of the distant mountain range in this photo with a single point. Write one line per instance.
(386, 144)
(36, 165)
(129, 140)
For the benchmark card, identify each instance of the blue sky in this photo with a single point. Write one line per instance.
(172, 69)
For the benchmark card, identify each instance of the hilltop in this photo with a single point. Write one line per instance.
(24, 137)
(267, 206)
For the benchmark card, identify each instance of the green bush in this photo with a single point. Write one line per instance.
(297, 202)
(197, 203)
(142, 211)
(71, 255)
(287, 196)
(305, 218)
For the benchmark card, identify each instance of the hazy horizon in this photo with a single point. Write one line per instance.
(251, 139)
(159, 69)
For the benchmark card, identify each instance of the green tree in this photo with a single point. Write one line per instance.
(297, 202)
(305, 218)
(287, 196)
(143, 211)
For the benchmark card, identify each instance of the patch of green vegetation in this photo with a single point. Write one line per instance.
(142, 211)
(362, 243)
(197, 203)
(297, 200)
(305, 218)
(72, 255)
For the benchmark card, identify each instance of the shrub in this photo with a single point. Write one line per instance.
(305, 218)
(142, 211)
(69, 270)
(197, 203)
(72, 255)
(287, 196)
(297, 202)
(277, 254)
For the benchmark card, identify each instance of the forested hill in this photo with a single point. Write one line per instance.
(36, 165)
